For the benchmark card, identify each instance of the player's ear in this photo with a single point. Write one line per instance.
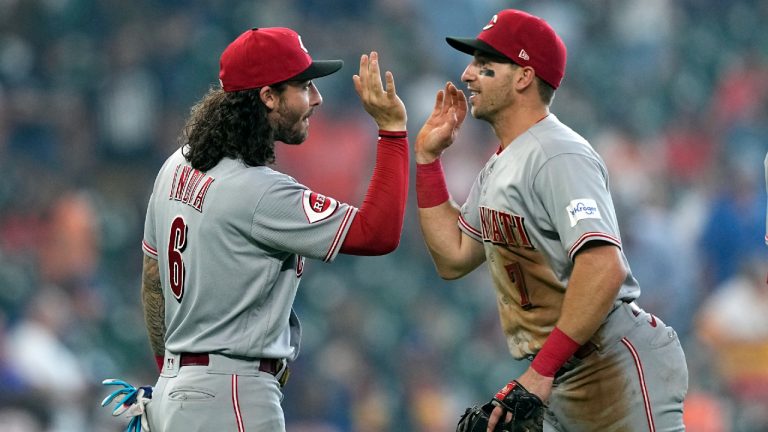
(269, 97)
(524, 77)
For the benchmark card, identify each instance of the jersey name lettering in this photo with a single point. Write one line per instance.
(189, 186)
(504, 228)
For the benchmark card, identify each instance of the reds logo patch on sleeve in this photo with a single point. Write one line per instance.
(318, 207)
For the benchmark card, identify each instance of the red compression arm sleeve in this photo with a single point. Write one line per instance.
(379, 221)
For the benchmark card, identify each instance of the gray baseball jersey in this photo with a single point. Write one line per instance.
(230, 245)
(533, 206)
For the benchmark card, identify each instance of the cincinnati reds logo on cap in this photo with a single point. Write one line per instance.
(318, 207)
(301, 44)
(492, 22)
(269, 55)
(524, 39)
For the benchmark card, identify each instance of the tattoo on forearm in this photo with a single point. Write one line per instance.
(154, 305)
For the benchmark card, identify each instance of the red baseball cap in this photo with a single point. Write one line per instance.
(264, 56)
(525, 39)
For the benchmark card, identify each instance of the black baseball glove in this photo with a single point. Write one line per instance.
(527, 412)
(475, 419)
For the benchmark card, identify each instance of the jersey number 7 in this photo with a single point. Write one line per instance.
(515, 273)
(176, 245)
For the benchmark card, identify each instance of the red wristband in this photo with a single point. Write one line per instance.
(558, 348)
(431, 189)
(159, 360)
(392, 134)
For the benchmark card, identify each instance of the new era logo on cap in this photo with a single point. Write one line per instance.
(264, 56)
(522, 38)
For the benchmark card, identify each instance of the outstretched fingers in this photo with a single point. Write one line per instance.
(448, 99)
(360, 79)
(438, 108)
(374, 74)
(379, 94)
(450, 104)
(458, 103)
(391, 90)
(462, 106)
(452, 93)
(368, 80)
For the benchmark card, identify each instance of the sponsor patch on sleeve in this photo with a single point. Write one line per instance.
(318, 207)
(583, 208)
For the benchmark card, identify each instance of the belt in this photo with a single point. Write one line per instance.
(585, 350)
(272, 366)
(590, 347)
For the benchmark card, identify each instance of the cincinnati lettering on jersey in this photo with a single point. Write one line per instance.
(504, 228)
(190, 186)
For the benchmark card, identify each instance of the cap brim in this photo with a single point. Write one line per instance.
(318, 68)
(471, 46)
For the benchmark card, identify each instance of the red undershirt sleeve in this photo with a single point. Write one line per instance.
(378, 224)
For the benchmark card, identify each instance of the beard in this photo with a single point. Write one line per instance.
(490, 110)
(492, 103)
(290, 127)
(482, 114)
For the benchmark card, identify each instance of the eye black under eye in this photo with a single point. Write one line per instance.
(487, 72)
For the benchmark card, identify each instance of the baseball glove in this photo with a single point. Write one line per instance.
(475, 419)
(527, 412)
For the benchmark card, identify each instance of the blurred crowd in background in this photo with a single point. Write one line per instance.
(94, 93)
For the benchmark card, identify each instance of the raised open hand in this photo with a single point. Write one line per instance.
(443, 124)
(382, 103)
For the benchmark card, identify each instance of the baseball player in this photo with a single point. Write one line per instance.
(541, 215)
(226, 236)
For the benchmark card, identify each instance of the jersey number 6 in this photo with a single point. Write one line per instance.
(176, 245)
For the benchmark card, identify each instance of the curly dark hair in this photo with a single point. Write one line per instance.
(228, 124)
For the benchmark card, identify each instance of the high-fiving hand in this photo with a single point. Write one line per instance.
(383, 104)
(440, 129)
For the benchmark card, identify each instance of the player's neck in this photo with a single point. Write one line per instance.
(516, 121)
